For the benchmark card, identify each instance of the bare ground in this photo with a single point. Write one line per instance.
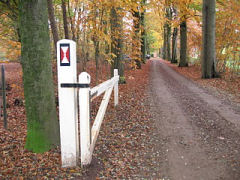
(197, 134)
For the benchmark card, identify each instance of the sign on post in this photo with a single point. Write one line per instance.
(68, 115)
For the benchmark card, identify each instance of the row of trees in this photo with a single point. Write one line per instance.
(204, 31)
(177, 13)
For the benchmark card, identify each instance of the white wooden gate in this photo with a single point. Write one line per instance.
(68, 110)
(86, 95)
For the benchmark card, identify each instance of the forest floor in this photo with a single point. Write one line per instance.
(165, 127)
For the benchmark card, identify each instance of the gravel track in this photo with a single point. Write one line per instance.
(197, 133)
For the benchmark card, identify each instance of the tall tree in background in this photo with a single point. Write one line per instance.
(116, 21)
(53, 23)
(183, 43)
(42, 124)
(72, 21)
(174, 40)
(167, 32)
(136, 47)
(209, 51)
(184, 13)
(143, 31)
(65, 21)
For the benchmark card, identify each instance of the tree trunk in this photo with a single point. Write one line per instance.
(97, 51)
(143, 33)
(65, 22)
(53, 23)
(72, 21)
(168, 45)
(136, 44)
(183, 44)
(164, 51)
(209, 51)
(42, 124)
(167, 36)
(174, 45)
(117, 42)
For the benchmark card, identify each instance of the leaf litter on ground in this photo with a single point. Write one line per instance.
(125, 146)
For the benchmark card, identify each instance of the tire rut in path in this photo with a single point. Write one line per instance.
(197, 140)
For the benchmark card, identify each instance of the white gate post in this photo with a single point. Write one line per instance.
(68, 116)
(84, 106)
(116, 88)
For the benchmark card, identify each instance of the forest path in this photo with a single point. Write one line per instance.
(197, 134)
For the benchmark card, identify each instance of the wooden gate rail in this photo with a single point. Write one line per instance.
(88, 135)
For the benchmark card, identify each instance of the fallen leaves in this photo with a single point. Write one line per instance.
(120, 147)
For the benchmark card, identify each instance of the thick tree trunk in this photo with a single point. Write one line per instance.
(65, 22)
(183, 45)
(117, 43)
(42, 124)
(53, 23)
(174, 45)
(209, 51)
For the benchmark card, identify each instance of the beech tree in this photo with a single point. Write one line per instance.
(209, 51)
(143, 31)
(53, 23)
(42, 124)
(117, 44)
(167, 32)
(65, 21)
(174, 40)
(183, 44)
(136, 44)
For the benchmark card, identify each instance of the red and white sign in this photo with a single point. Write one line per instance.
(64, 54)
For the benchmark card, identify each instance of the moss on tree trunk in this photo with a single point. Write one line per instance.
(42, 124)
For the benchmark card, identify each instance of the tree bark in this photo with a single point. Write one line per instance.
(183, 44)
(65, 22)
(53, 23)
(174, 45)
(143, 33)
(168, 42)
(72, 20)
(42, 124)
(136, 48)
(164, 51)
(167, 36)
(97, 51)
(209, 28)
(117, 42)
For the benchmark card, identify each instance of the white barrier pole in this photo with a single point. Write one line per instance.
(116, 88)
(68, 116)
(84, 106)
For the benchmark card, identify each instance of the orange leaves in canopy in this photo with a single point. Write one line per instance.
(8, 38)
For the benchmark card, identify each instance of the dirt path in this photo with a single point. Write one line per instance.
(197, 135)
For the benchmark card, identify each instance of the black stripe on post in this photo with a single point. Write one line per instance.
(74, 85)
